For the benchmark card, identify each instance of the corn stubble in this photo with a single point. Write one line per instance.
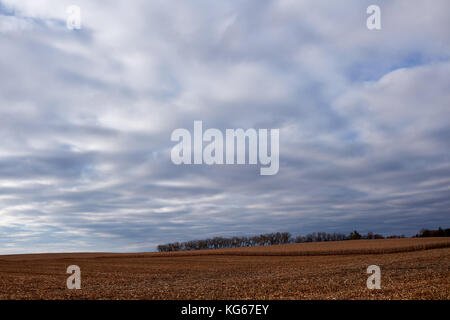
(410, 269)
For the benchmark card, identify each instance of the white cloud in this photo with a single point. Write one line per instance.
(363, 116)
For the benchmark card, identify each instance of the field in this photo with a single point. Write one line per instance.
(410, 269)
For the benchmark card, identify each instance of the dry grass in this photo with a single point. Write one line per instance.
(299, 271)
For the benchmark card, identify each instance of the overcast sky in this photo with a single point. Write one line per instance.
(86, 117)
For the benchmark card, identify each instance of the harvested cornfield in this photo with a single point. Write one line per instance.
(331, 247)
(410, 269)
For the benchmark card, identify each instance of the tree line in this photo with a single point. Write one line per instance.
(234, 242)
(424, 233)
(284, 238)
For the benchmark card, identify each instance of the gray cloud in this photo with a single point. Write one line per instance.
(86, 118)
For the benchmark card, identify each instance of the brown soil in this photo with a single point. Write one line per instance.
(410, 269)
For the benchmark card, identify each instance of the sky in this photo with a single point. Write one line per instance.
(86, 117)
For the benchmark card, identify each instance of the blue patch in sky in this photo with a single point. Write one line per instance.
(351, 136)
(379, 66)
(5, 11)
(412, 60)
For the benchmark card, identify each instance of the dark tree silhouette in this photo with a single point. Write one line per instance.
(283, 238)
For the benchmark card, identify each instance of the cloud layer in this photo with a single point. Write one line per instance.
(86, 118)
